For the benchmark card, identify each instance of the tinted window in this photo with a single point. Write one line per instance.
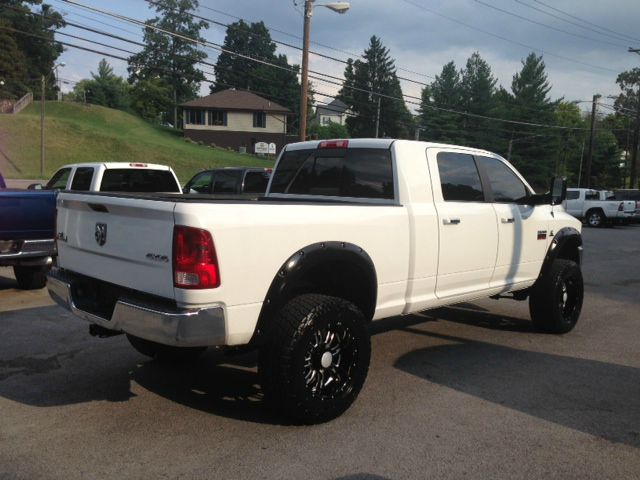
(226, 181)
(505, 184)
(459, 178)
(357, 172)
(591, 196)
(627, 195)
(59, 179)
(256, 182)
(259, 120)
(82, 179)
(201, 183)
(138, 180)
(573, 194)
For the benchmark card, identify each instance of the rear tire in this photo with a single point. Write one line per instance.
(164, 353)
(595, 218)
(556, 298)
(316, 358)
(31, 278)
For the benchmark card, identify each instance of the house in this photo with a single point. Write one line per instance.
(335, 112)
(237, 119)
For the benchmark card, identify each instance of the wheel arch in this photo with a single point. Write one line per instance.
(339, 269)
(567, 245)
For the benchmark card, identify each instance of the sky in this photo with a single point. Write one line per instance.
(584, 43)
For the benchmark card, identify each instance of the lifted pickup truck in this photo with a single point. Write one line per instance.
(598, 207)
(349, 231)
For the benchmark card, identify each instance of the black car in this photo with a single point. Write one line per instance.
(230, 181)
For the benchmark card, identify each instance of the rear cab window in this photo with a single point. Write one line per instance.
(138, 181)
(362, 173)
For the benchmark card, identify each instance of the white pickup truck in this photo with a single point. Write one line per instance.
(349, 231)
(598, 207)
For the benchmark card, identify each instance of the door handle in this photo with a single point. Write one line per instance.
(508, 220)
(451, 221)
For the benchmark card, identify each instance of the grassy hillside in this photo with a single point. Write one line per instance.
(88, 133)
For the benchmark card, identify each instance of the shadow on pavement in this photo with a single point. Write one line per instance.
(7, 283)
(593, 397)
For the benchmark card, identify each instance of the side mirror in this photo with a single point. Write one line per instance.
(35, 186)
(558, 190)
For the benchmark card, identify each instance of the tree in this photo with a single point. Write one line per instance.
(628, 103)
(445, 92)
(530, 102)
(169, 57)
(31, 54)
(478, 97)
(151, 99)
(324, 132)
(369, 84)
(278, 83)
(104, 88)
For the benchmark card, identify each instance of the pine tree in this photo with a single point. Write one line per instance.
(530, 102)
(104, 88)
(171, 58)
(445, 92)
(478, 89)
(368, 84)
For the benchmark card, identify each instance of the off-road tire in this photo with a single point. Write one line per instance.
(315, 358)
(30, 278)
(164, 353)
(556, 298)
(595, 218)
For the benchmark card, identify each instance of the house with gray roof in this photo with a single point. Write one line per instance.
(335, 112)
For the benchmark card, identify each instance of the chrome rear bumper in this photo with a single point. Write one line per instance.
(181, 328)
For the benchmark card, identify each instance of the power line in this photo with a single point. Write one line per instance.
(584, 21)
(515, 42)
(615, 36)
(535, 22)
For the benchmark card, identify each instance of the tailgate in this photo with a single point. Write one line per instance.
(125, 241)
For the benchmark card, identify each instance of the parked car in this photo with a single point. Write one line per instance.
(113, 177)
(27, 223)
(348, 231)
(232, 180)
(598, 207)
(633, 195)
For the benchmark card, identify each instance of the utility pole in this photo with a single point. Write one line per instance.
(42, 81)
(633, 171)
(308, 11)
(587, 175)
(378, 118)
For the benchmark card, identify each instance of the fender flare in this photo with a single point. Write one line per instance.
(567, 237)
(292, 277)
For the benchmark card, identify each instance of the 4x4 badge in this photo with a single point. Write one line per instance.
(101, 233)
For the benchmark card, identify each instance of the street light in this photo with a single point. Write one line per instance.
(338, 7)
(43, 81)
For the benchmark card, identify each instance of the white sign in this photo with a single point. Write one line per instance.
(272, 148)
(262, 147)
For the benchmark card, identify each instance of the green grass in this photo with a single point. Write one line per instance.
(88, 133)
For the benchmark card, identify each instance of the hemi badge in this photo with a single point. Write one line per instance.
(542, 234)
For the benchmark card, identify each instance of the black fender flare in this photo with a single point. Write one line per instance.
(565, 238)
(293, 279)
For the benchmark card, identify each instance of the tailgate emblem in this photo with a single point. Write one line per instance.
(101, 233)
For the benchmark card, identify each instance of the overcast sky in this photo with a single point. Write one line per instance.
(422, 36)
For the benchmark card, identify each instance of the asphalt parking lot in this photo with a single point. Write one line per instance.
(463, 392)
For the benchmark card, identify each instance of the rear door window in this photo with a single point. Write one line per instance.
(82, 179)
(355, 172)
(459, 178)
(573, 194)
(226, 181)
(256, 182)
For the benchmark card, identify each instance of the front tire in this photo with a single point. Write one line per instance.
(556, 299)
(30, 278)
(315, 359)
(164, 353)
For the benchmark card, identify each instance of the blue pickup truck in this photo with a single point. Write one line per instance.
(27, 231)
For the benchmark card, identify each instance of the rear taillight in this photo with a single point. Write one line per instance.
(195, 264)
(621, 207)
